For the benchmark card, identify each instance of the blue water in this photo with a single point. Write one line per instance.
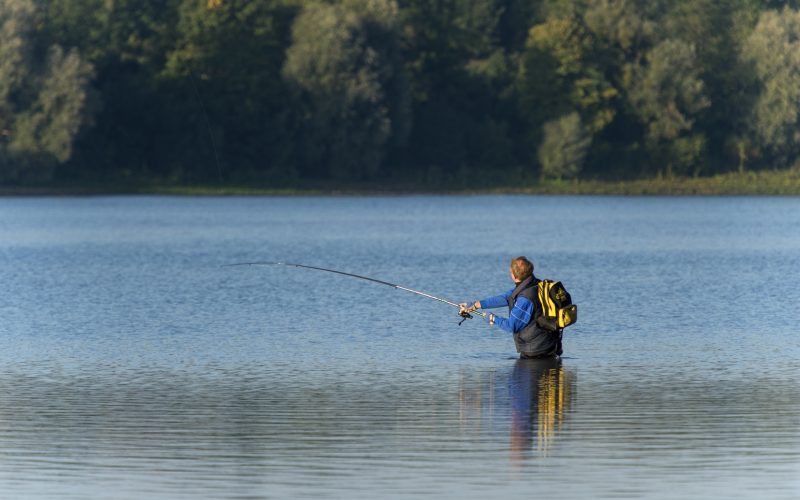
(134, 365)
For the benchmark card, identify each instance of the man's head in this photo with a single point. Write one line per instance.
(521, 268)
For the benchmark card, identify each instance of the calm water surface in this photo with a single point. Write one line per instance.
(132, 365)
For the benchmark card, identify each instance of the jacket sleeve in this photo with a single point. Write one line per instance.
(496, 301)
(521, 315)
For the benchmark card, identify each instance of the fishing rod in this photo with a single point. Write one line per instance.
(465, 315)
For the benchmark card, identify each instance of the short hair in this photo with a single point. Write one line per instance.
(521, 267)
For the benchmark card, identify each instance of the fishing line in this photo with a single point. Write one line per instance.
(208, 124)
(464, 315)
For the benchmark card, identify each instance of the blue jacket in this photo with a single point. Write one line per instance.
(520, 315)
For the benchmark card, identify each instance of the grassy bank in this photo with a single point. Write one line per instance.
(773, 182)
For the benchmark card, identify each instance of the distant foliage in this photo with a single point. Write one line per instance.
(42, 103)
(281, 92)
(50, 125)
(564, 147)
(667, 95)
(229, 112)
(773, 50)
(345, 62)
(666, 91)
(16, 26)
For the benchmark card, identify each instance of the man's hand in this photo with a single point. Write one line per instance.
(465, 308)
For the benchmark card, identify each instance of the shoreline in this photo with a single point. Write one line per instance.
(761, 183)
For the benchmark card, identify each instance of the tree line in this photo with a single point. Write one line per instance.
(419, 91)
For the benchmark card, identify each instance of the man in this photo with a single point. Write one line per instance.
(531, 340)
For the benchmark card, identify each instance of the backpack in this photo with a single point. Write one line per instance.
(557, 308)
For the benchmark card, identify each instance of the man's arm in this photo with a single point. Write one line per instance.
(495, 301)
(520, 317)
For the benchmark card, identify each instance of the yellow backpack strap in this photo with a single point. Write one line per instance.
(548, 308)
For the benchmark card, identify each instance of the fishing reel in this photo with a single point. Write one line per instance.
(465, 315)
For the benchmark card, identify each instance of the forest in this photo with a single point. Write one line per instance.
(408, 92)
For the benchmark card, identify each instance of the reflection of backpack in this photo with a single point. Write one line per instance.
(557, 308)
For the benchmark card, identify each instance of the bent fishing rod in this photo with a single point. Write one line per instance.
(465, 315)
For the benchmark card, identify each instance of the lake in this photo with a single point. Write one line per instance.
(133, 364)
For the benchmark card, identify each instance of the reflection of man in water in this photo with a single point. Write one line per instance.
(540, 393)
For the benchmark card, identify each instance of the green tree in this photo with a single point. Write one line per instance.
(564, 146)
(127, 41)
(773, 51)
(229, 101)
(717, 29)
(561, 69)
(622, 28)
(667, 94)
(345, 63)
(567, 67)
(42, 102)
(16, 23)
(54, 119)
(461, 55)
(635, 89)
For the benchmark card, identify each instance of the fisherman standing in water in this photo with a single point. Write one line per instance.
(531, 340)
